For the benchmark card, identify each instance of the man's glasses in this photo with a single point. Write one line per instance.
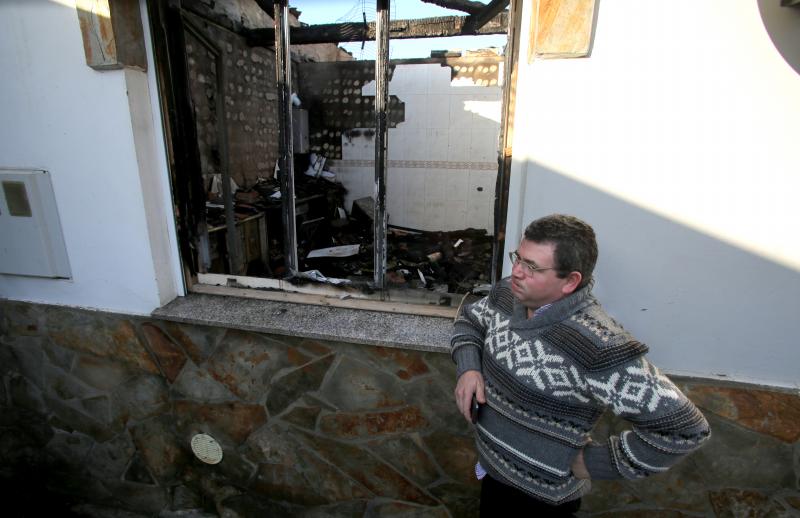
(530, 268)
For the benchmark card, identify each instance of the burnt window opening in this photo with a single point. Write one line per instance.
(444, 120)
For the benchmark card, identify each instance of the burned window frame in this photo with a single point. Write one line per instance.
(169, 28)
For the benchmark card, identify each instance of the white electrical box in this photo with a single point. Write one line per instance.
(31, 242)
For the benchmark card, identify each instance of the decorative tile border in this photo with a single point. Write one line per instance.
(419, 164)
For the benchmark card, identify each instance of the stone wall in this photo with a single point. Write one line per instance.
(251, 94)
(251, 103)
(98, 409)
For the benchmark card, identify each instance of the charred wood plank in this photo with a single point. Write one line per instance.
(283, 78)
(381, 143)
(510, 71)
(467, 6)
(266, 6)
(475, 22)
(442, 26)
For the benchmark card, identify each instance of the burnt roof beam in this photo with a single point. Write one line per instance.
(467, 6)
(267, 6)
(381, 218)
(442, 26)
(476, 21)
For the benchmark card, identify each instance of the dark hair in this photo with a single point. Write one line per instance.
(574, 240)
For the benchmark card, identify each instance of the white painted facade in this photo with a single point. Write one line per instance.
(677, 139)
(442, 158)
(99, 136)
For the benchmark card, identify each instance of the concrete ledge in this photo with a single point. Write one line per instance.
(421, 333)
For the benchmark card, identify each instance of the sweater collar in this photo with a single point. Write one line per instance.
(556, 312)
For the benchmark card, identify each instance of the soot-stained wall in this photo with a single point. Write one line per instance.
(251, 103)
(332, 94)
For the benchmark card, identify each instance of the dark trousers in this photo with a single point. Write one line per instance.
(498, 499)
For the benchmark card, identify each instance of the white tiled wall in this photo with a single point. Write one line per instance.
(442, 159)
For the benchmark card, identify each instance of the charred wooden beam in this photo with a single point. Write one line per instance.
(266, 6)
(381, 143)
(510, 71)
(438, 27)
(475, 22)
(467, 6)
(283, 78)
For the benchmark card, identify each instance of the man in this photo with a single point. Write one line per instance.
(544, 361)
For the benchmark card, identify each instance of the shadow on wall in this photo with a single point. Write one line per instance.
(705, 307)
(783, 27)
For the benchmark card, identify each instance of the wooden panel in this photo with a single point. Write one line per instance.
(328, 296)
(112, 34)
(561, 29)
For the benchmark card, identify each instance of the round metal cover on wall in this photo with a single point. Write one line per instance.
(206, 448)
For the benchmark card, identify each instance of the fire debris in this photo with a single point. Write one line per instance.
(445, 262)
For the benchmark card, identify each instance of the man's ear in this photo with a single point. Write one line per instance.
(573, 280)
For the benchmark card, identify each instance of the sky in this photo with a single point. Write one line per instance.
(336, 11)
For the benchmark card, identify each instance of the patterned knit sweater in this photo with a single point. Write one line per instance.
(548, 379)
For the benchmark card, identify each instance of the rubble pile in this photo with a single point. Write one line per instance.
(338, 247)
(453, 261)
(445, 262)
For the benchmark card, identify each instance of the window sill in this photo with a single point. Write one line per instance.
(417, 332)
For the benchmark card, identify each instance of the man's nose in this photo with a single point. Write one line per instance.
(516, 270)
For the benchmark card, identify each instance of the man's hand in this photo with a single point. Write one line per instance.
(579, 467)
(471, 382)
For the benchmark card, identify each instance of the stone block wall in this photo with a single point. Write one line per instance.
(99, 409)
(250, 98)
(251, 94)
(106, 405)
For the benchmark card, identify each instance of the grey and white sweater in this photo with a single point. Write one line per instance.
(548, 380)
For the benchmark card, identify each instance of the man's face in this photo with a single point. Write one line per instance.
(535, 289)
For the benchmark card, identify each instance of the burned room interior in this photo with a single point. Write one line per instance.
(274, 116)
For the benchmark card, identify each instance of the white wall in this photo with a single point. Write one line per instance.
(442, 159)
(107, 167)
(677, 139)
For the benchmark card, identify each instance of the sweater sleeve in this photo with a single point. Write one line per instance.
(469, 332)
(665, 425)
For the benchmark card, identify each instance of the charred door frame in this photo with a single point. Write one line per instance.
(183, 152)
(169, 29)
(235, 262)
